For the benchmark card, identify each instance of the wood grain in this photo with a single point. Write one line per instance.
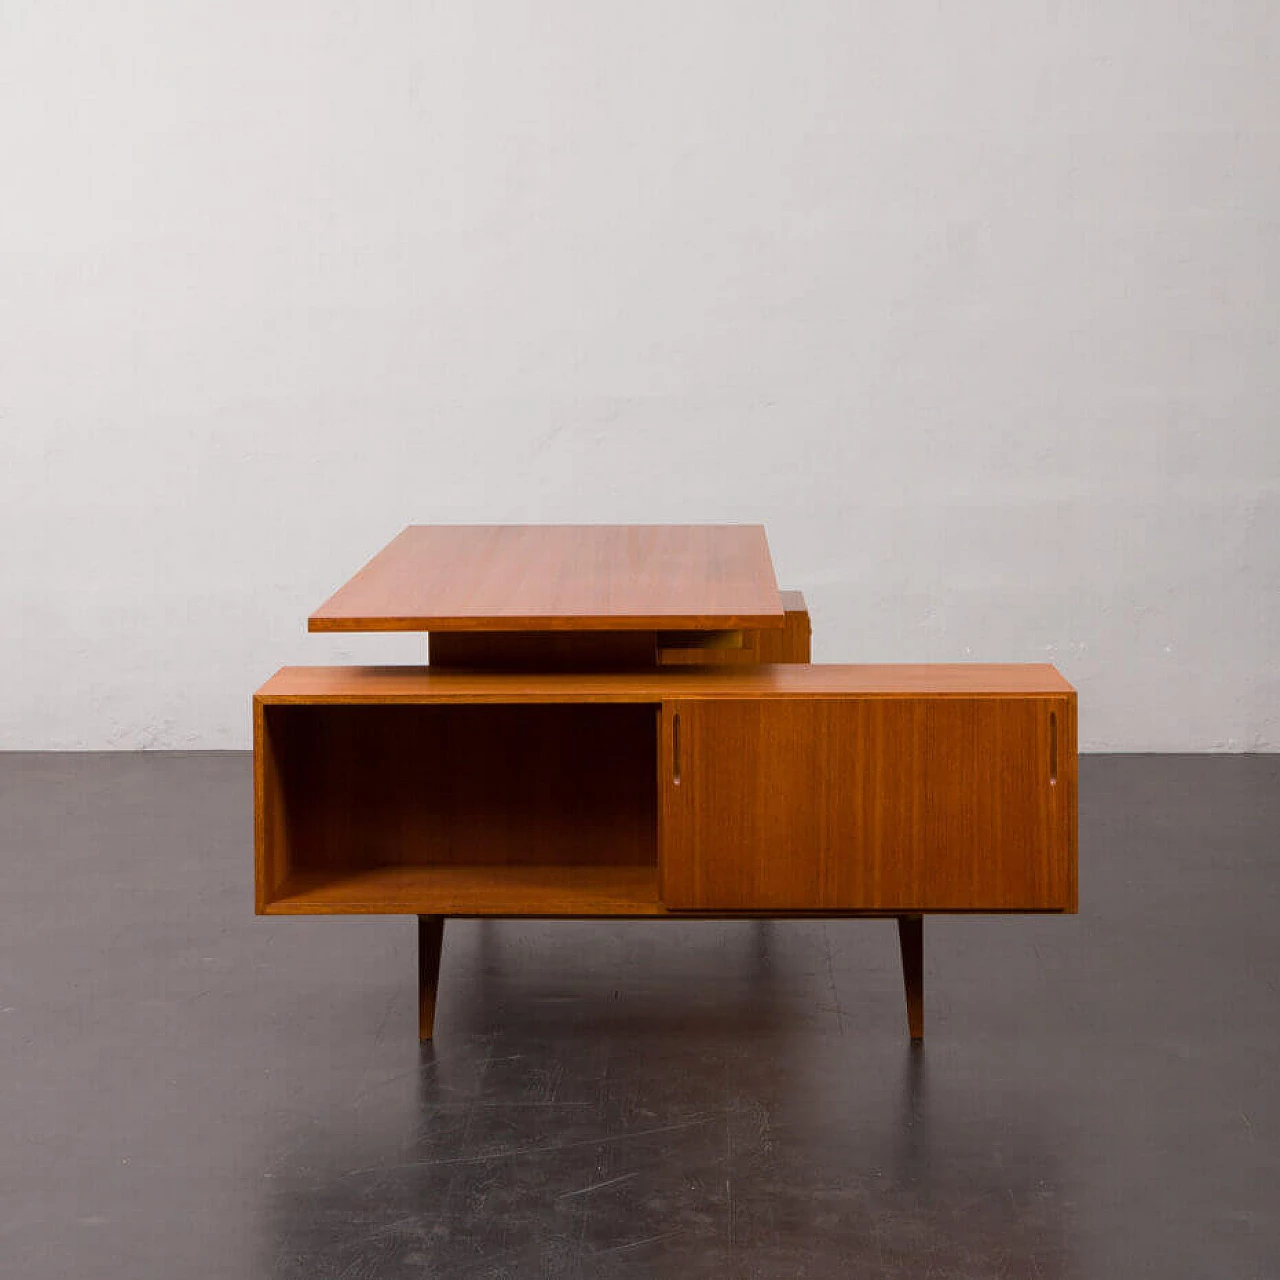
(545, 890)
(591, 651)
(1065, 801)
(413, 685)
(560, 577)
(791, 643)
(271, 832)
(911, 803)
(859, 790)
(358, 788)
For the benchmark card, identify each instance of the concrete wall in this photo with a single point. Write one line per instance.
(976, 306)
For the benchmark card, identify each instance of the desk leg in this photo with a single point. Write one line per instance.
(911, 943)
(430, 939)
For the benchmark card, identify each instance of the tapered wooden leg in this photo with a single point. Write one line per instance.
(911, 944)
(430, 940)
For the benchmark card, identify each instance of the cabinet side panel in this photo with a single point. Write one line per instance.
(888, 804)
(259, 809)
(1067, 800)
(271, 830)
(793, 642)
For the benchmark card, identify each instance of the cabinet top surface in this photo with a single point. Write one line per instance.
(422, 685)
(561, 578)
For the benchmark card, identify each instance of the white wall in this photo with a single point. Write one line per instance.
(976, 306)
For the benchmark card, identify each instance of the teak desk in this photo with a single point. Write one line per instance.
(622, 721)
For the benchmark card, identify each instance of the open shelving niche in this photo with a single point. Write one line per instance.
(490, 809)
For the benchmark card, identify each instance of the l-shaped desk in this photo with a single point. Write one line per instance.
(622, 721)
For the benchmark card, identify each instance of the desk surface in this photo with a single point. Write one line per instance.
(561, 578)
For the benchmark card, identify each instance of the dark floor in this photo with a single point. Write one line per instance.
(189, 1091)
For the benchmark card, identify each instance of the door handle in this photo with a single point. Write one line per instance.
(675, 748)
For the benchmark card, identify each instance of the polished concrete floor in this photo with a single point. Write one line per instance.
(189, 1091)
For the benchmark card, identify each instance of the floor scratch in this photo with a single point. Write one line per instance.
(831, 977)
(596, 1186)
(544, 1149)
(635, 1244)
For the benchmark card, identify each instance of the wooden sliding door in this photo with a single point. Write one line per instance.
(877, 803)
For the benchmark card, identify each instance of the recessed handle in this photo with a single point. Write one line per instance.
(675, 748)
(1053, 748)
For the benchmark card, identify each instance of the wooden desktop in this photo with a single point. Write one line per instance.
(622, 721)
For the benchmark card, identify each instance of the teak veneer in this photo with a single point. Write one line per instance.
(422, 685)
(561, 578)
(675, 756)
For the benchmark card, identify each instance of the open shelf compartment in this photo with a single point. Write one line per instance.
(458, 809)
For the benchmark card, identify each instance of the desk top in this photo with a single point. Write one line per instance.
(561, 578)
